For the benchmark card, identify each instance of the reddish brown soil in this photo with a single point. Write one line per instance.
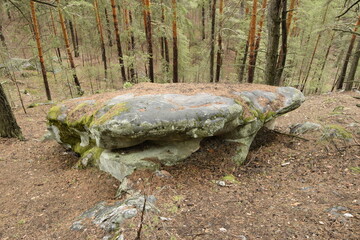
(41, 194)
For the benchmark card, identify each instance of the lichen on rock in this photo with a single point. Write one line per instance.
(120, 132)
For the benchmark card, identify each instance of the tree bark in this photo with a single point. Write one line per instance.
(220, 48)
(260, 27)
(102, 40)
(68, 51)
(212, 41)
(175, 46)
(148, 32)
(353, 67)
(252, 43)
(273, 26)
(203, 35)
(340, 81)
(40, 52)
(108, 27)
(73, 39)
(118, 42)
(58, 53)
(283, 51)
(164, 41)
(8, 125)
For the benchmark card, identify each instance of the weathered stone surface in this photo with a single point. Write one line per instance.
(109, 130)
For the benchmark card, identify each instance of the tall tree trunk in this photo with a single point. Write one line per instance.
(353, 67)
(252, 43)
(73, 39)
(8, 125)
(40, 53)
(243, 61)
(58, 52)
(148, 32)
(273, 26)
(102, 40)
(118, 42)
(340, 81)
(108, 27)
(175, 46)
(319, 85)
(283, 51)
(132, 40)
(212, 41)
(290, 15)
(203, 35)
(220, 48)
(260, 27)
(164, 41)
(68, 51)
(314, 51)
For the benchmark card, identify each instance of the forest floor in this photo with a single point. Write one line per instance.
(289, 188)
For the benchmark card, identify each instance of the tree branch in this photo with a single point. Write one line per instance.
(346, 31)
(22, 13)
(45, 3)
(348, 9)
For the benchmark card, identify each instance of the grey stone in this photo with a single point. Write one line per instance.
(127, 132)
(302, 128)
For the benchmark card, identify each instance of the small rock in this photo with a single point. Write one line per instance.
(348, 215)
(77, 226)
(165, 219)
(285, 164)
(321, 222)
(163, 174)
(358, 105)
(302, 128)
(223, 230)
(242, 237)
(221, 183)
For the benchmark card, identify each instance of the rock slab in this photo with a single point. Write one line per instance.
(151, 125)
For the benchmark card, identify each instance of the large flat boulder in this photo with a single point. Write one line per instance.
(151, 125)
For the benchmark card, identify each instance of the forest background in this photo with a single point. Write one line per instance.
(105, 44)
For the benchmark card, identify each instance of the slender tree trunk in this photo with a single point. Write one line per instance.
(243, 61)
(314, 51)
(8, 125)
(77, 50)
(40, 53)
(340, 81)
(118, 42)
(132, 40)
(212, 41)
(2, 38)
(67, 44)
(260, 27)
(102, 40)
(175, 46)
(290, 15)
(108, 27)
(353, 67)
(73, 38)
(148, 31)
(58, 52)
(164, 41)
(203, 35)
(220, 48)
(252, 43)
(283, 51)
(273, 26)
(319, 87)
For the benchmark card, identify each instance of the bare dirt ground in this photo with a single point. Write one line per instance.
(290, 188)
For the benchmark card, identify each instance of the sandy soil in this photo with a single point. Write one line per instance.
(284, 191)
